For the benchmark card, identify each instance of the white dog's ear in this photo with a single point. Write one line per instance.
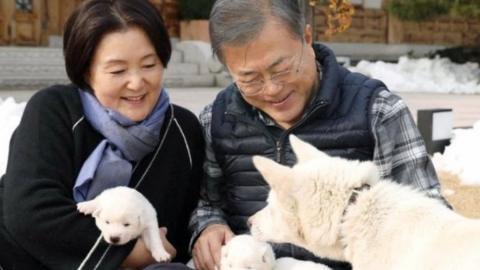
(303, 150)
(276, 175)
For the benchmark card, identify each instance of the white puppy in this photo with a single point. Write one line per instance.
(123, 214)
(340, 209)
(245, 252)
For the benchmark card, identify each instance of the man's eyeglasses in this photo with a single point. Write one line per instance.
(257, 86)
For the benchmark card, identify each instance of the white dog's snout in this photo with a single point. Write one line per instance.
(114, 239)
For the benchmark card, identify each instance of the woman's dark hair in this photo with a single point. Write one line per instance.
(93, 19)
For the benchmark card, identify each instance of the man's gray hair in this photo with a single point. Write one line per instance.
(237, 22)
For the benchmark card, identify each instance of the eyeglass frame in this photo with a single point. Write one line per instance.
(263, 81)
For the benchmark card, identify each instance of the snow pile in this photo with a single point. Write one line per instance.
(438, 75)
(462, 155)
(10, 114)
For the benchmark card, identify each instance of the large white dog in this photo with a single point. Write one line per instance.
(338, 208)
(123, 214)
(244, 252)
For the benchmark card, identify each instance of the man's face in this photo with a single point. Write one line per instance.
(275, 72)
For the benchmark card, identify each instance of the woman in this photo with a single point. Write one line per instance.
(114, 126)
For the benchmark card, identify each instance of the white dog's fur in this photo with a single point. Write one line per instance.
(123, 214)
(245, 252)
(388, 226)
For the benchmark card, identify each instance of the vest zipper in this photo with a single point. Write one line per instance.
(322, 103)
(279, 149)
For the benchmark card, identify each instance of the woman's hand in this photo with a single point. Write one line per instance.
(140, 257)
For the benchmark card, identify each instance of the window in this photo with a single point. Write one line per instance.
(24, 5)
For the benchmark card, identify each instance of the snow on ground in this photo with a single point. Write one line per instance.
(10, 114)
(461, 156)
(439, 75)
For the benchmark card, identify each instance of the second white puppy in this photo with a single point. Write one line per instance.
(123, 214)
(245, 252)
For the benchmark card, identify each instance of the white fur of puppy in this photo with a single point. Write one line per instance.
(387, 227)
(245, 252)
(123, 214)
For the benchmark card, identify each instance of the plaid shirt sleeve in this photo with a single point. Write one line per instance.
(400, 151)
(208, 210)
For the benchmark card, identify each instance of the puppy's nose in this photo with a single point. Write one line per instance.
(114, 239)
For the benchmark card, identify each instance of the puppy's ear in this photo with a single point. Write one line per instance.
(268, 255)
(97, 212)
(304, 151)
(276, 175)
(87, 207)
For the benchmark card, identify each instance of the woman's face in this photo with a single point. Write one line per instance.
(126, 73)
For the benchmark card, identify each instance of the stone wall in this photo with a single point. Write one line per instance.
(377, 26)
(444, 31)
(47, 18)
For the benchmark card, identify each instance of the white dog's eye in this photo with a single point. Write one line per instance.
(126, 224)
(106, 221)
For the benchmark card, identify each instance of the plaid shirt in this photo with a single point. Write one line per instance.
(399, 153)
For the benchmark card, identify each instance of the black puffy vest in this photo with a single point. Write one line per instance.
(336, 122)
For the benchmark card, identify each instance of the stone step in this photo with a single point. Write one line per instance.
(37, 67)
(190, 81)
(182, 69)
(31, 82)
(177, 57)
(31, 70)
(24, 69)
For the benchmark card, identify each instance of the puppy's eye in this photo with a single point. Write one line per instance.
(106, 221)
(126, 224)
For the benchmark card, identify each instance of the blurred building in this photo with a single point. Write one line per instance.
(34, 22)
(40, 23)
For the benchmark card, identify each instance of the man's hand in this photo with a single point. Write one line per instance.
(206, 251)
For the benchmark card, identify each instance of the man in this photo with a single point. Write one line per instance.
(285, 84)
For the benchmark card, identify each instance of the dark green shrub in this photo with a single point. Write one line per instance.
(421, 10)
(418, 10)
(195, 9)
(466, 8)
